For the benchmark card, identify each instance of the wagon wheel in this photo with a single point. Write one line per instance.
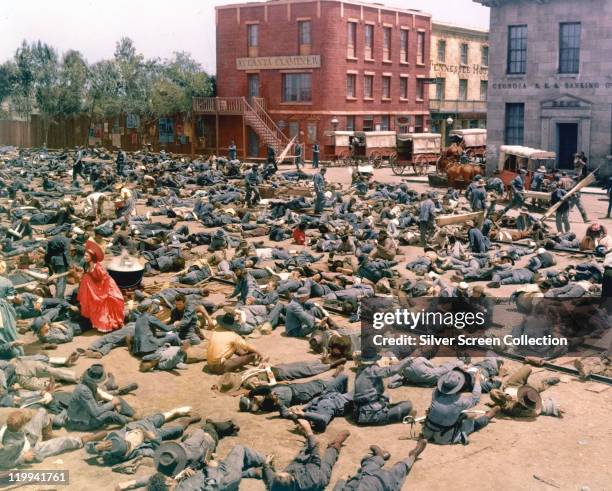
(420, 164)
(397, 167)
(376, 159)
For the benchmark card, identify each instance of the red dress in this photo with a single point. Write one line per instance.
(100, 299)
(299, 236)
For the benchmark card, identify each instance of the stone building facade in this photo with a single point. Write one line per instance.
(550, 78)
(459, 64)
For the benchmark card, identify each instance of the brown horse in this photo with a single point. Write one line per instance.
(460, 175)
(450, 155)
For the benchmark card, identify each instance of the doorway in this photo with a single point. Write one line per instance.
(253, 84)
(567, 146)
(253, 143)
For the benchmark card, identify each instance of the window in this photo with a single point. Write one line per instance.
(351, 50)
(297, 87)
(569, 47)
(473, 123)
(517, 49)
(386, 87)
(484, 56)
(403, 87)
(368, 123)
(304, 37)
(404, 46)
(386, 43)
(166, 130)
(420, 48)
(463, 89)
(464, 53)
(368, 86)
(515, 124)
(484, 87)
(418, 123)
(420, 89)
(442, 51)
(369, 42)
(440, 88)
(294, 128)
(252, 38)
(385, 121)
(350, 123)
(351, 85)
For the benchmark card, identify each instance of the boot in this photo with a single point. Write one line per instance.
(126, 389)
(129, 341)
(47, 432)
(379, 452)
(583, 371)
(339, 439)
(338, 362)
(224, 428)
(190, 421)
(92, 354)
(420, 446)
(147, 366)
(72, 358)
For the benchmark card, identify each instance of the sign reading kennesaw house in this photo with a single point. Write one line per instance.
(278, 62)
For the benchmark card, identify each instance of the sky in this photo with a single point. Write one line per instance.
(158, 27)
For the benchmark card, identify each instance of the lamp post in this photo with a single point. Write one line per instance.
(335, 123)
(449, 126)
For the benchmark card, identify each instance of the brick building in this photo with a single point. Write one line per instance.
(287, 67)
(459, 64)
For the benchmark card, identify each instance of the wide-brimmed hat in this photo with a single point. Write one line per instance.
(542, 169)
(529, 397)
(95, 250)
(227, 321)
(452, 382)
(170, 458)
(95, 374)
(118, 449)
(302, 292)
(463, 286)
(369, 356)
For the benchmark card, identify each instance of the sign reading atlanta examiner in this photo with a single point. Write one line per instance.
(278, 62)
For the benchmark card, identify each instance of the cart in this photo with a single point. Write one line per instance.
(474, 141)
(416, 150)
(513, 158)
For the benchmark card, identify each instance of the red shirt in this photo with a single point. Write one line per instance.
(299, 236)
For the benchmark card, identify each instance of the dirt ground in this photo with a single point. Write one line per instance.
(572, 453)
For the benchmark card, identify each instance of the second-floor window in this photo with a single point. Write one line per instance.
(484, 87)
(252, 38)
(404, 45)
(351, 85)
(297, 87)
(304, 36)
(404, 87)
(569, 47)
(420, 89)
(441, 51)
(351, 50)
(463, 89)
(387, 43)
(368, 86)
(369, 42)
(386, 87)
(464, 53)
(420, 48)
(517, 50)
(484, 55)
(440, 88)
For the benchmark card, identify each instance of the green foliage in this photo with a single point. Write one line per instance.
(37, 80)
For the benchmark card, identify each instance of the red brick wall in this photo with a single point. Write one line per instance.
(279, 37)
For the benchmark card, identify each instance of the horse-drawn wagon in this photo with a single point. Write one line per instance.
(350, 148)
(474, 141)
(416, 150)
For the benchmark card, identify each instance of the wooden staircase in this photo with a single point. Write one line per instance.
(254, 113)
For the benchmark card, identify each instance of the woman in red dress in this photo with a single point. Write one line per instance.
(99, 296)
